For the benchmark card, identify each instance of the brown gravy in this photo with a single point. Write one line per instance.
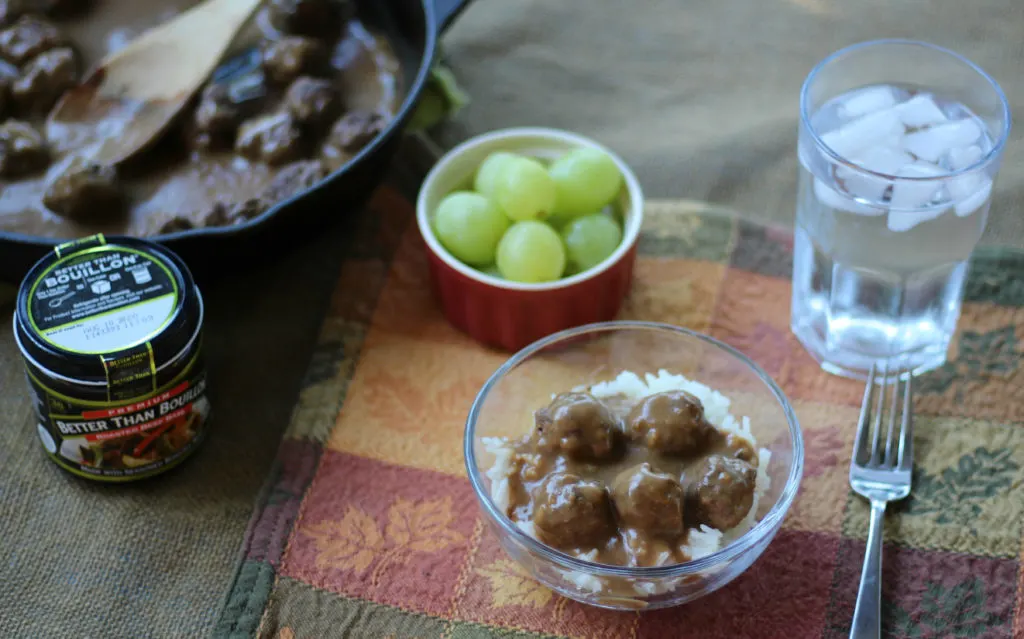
(635, 534)
(172, 183)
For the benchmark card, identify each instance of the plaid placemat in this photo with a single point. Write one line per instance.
(368, 527)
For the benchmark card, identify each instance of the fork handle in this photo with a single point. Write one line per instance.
(867, 616)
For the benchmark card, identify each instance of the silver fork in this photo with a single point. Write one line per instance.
(880, 472)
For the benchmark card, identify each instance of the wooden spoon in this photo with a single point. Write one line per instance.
(131, 97)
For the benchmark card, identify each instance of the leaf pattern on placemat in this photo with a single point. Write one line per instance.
(511, 585)
(995, 277)
(980, 355)
(421, 527)
(350, 543)
(954, 612)
(355, 542)
(397, 398)
(956, 494)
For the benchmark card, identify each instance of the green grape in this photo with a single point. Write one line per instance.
(586, 179)
(558, 222)
(613, 211)
(493, 271)
(523, 189)
(590, 239)
(531, 251)
(488, 171)
(470, 227)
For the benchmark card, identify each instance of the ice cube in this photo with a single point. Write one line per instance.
(934, 142)
(920, 111)
(901, 221)
(866, 101)
(915, 194)
(880, 159)
(862, 185)
(836, 200)
(963, 157)
(865, 131)
(970, 192)
(883, 159)
(893, 141)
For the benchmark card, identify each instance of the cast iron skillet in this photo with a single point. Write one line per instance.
(413, 28)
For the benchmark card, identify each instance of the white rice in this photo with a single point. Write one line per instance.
(500, 470)
(700, 542)
(703, 541)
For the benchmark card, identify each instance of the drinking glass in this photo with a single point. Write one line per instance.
(899, 146)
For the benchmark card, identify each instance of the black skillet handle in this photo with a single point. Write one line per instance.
(446, 11)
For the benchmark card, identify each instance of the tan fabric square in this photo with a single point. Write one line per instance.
(966, 495)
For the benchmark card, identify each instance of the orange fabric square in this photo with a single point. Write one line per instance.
(406, 306)
(679, 292)
(408, 401)
(752, 314)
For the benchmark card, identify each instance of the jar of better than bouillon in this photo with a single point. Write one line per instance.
(111, 334)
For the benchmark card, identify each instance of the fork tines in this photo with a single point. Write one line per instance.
(869, 450)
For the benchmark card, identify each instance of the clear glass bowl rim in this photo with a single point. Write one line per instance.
(805, 116)
(772, 519)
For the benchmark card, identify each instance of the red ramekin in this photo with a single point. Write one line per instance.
(511, 315)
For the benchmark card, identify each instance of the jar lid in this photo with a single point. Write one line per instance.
(107, 312)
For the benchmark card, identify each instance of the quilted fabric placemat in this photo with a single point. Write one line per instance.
(369, 528)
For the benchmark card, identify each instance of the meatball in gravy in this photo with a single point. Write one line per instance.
(650, 501)
(725, 491)
(286, 59)
(43, 80)
(27, 38)
(23, 150)
(85, 189)
(571, 512)
(625, 480)
(670, 422)
(578, 425)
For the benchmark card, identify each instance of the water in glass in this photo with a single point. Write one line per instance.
(885, 225)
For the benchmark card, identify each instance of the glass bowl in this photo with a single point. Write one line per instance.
(599, 352)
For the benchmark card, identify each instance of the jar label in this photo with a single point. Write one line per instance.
(78, 244)
(130, 374)
(124, 440)
(102, 299)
